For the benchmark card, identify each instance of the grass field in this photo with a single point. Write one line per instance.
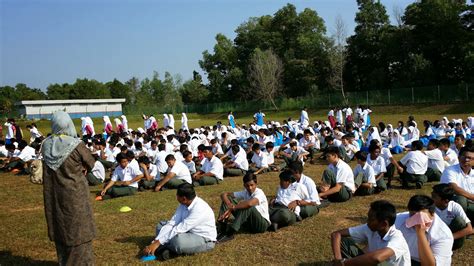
(122, 235)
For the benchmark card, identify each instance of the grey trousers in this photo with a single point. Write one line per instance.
(75, 255)
(187, 243)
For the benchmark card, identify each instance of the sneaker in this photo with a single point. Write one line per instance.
(298, 218)
(98, 198)
(225, 238)
(418, 185)
(273, 227)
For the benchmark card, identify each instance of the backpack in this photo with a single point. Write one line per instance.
(36, 172)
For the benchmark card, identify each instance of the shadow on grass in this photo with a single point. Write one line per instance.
(360, 219)
(459, 109)
(7, 258)
(140, 241)
(316, 263)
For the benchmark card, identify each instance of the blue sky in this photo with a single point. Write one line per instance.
(57, 41)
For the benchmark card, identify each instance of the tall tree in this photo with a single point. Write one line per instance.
(89, 89)
(119, 90)
(337, 56)
(58, 92)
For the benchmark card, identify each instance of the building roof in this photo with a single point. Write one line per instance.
(58, 102)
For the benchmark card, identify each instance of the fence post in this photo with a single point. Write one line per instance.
(329, 100)
(367, 97)
(412, 95)
(467, 93)
(388, 96)
(439, 95)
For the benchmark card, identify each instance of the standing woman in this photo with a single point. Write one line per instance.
(230, 116)
(107, 126)
(184, 121)
(124, 122)
(331, 118)
(66, 193)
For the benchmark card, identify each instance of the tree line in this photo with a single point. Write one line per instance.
(290, 54)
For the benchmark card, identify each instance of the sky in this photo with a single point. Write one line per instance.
(57, 41)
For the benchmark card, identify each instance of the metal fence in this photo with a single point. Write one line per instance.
(441, 94)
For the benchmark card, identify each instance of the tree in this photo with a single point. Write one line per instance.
(119, 90)
(193, 91)
(58, 92)
(337, 57)
(265, 71)
(89, 89)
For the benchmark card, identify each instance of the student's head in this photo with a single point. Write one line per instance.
(250, 141)
(417, 145)
(122, 160)
(296, 168)
(374, 150)
(420, 203)
(269, 146)
(154, 144)
(345, 140)
(332, 155)
(442, 194)
(123, 149)
(286, 178)
(466, 156)
(329, 140)
(293, 145)
(144, 160)
(459, 140)
(256, 148)
(10, 147)
(250, 182)
(22, 144)
(188, 156)
(444, 144)
(185, 194)
(130, 155)
(170, 160)
(161, 147)
(214, 142)
(382, 214)
(361, 157)
(138, 145)
(207, 152)
(433, 144)
(235, 149)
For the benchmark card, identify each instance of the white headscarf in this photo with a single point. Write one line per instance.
(90, 123)
(184, 121)
(57, 147)
(117, 122)
(396, 139)
(374, 135)
(470, 122)
(106, 121)
(124, 122)
(171, 120)
(166, 120)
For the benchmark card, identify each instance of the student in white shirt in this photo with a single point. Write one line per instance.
(212, 170)
(259, 160)
(428, 237)
(249, 206)
(304, 118)
(284, 209)
(311, 204)
(238, 164)
(192, 229)
(20, 161)
(436, 162)
(294, 153)
(124, 181)
(338, 179)
(451, 213)
(160, 161)
(97, 175)
(188, 161)
(378, 164)
(310, 143)
(415, 165)
(151, 176)
(364, 176)
(385, 244)
(449, 155)
(461, 178)
(178, 173)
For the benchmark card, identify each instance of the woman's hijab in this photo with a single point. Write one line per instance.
(63, 140)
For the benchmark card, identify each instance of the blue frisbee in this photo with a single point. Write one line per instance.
(148, 258)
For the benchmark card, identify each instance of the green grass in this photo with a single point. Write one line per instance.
(122, 235)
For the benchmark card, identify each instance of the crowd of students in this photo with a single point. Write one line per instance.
(157, 158)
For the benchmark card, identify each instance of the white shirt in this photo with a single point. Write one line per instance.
(343, 174)
(181, 171)
(453, 157)
(197, 218)
(160, 161)
(126, 174)
(191, 166)
(260, 160)
(98, 171)
(28, 153)
(111, 153)
(311, 188)
(294, 191)
(454, 174)
(386, 155)
(416, 162)
(367, 171)
(303, 142)
(378, 165)
(262, 206)
(34, 133)
(451, 212)
(439, 237)
(214, 166)
(240, 159)
(435, 159)
(393, 240)
(152, 154)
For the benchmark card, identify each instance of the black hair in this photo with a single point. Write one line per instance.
(361, 155)
(186, 190)
(213, 141)
(170, 157)
(143, 159)
(269, 145)
(250, 140)
(286, 175)
(235, 149)
(255, 147)
(234, 142)
(296, 167)
(467, 148)
(461, 136)
(120, 157)
(249, 176)
(207, 148)
(328, 138)
(373, 147)
(186, 153)
(161, 147)
(417, 145)
(421, 202)
(123, 149)
(22, 144)
(333, 150)
(130, 155)
(445, 141)
(384, 211)
(138, 145)
(434, 142)
(444, 191)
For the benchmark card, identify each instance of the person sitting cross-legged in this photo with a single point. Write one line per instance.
(178, 173)
(212, 170)
(249, 208)
(192, 229)
(338, 180)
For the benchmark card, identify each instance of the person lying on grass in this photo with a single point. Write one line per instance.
(385, 243)
(249, 208)
(192, 229)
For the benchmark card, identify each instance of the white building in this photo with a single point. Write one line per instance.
(43, 109)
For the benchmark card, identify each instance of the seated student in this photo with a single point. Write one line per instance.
(107, 154)
(364, 175)
(216, 148)
(178, 173)
(390, 163)
(249, 208)
(338, 179)
(378, 164)
(451, 213)
(428, 237)
(188, 161)
(124, 181)
(238, 164)
(311, 204)
(461, 178)
(450, 156)
(310, 143)
(435, 161)
(385, 244)
(212, 170)
(20, 161)
(349, 148)
(415, 165)
(459, 141)
(259, 160)
(284, 209)
(192, 229)
(294, 153)
(270, 150)
(331, 142)
(97, 175)
(160, 161)
(151, 176)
